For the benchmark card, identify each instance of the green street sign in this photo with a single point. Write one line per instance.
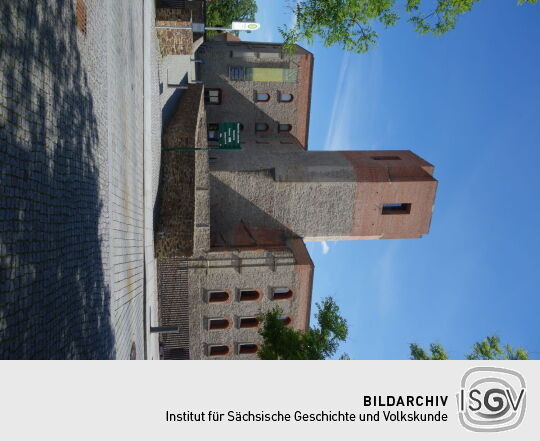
(229, 136)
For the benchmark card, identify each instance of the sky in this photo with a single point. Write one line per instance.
(469, 103)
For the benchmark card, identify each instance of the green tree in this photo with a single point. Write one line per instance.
(221, 13)
(352, 23)
(487, 349)
(437, 352)
(490, 349)
(284, 343)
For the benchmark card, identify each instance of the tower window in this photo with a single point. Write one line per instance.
(263, 97)
(282, 293)
(284, 127)
(247, 348)
(247, 295)
(218, 350)
(248, 322)
(212, 96)
(396, 208)
(218, 296)
(386, 158)
(261, 127)
(218, 323)
(285, 97)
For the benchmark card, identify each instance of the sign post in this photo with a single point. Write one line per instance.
(201, 27)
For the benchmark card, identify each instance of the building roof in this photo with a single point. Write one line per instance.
(225, 36)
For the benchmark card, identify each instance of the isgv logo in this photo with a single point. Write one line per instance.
(491, 399)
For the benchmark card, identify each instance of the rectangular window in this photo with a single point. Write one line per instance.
(212, 96)
(396, 208)
(386, 158)
(243, 54)
(265, 74)
(213, 132)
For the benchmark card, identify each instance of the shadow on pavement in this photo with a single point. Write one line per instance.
(54, 293)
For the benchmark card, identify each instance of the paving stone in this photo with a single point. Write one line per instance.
(71, 167)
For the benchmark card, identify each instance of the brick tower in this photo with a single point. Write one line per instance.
(319, 195)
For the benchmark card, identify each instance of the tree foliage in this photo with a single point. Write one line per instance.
(284, 343)
(437, 352)
(490, 349)
(487, 349)
(353, 23)
(221, 13)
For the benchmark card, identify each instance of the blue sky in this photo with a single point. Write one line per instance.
(468, 102)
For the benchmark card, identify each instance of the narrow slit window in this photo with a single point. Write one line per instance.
(249, 322)
(284, 127)
(247, 348)
(218, 350)
(218, 323)
(261, 127)
(218, 296)
(212, 96)
(247, 295)
(285, 97)
(386, 158)
(282, 293)
(263, 97)
(396, 208)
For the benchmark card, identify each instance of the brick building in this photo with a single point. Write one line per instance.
(255, 207)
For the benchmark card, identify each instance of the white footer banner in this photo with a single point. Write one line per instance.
(270, 400)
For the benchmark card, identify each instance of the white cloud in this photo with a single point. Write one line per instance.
(325, 247)
(385, 271)
(355, 103)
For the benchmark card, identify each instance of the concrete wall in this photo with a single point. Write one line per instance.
(239, 97)
(260, 269)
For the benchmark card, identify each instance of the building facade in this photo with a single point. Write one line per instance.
(255, 207)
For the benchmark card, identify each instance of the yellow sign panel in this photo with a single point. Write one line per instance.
(271, 74)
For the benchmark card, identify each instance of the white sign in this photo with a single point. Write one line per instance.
(244, 26)
(197, 27)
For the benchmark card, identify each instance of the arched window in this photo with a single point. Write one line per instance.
(249, 295)
(218, 296)
(247, 348)
(217, 350)
(282, 293)
(285, 97)
(284, 127)
(263, 97)
(248, 322)
(218, 323)
(285, 319)
(261, 127)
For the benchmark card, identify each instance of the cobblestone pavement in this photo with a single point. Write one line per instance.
(71, 180)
